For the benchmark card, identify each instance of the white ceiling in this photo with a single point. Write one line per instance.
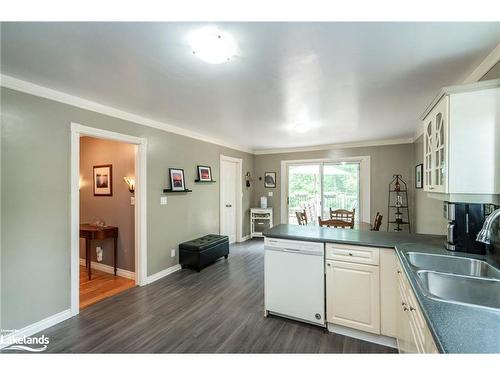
(352, 82)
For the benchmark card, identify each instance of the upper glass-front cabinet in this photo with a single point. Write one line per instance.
(435, 147)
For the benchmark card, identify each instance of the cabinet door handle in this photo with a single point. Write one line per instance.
(350, 254)
(412, 308)
(405, 309)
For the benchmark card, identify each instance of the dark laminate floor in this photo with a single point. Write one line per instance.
(219, 310)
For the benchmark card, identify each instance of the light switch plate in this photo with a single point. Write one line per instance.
(172, 253)
(163, 199)
(270, 193)
(132, 201)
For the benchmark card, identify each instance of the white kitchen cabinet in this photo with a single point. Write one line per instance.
(353, 295)
(435, 147)
(389, 293)
(461, 142)
(413, 334)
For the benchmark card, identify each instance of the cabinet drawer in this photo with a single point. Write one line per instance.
(353, 254)
(261, 225)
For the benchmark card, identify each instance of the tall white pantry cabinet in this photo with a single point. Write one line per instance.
(461, 130)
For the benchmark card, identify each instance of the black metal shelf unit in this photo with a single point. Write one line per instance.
(398, 211)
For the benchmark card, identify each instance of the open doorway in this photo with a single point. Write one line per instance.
(107, 223)
(93, 178)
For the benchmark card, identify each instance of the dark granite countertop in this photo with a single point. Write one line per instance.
(348, 236)
(456, 328)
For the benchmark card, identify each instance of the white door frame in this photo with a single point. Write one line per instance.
(364, 186)
(77, 131)
(239, 199)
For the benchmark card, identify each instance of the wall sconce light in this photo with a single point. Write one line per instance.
(130, 182)
(248, 179)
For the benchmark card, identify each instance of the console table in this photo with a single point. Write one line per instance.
(92, 232)
(261, 219)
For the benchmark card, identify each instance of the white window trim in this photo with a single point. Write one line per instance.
(364, 183)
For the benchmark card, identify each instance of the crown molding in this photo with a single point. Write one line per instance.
(65, 98)
(485, 66)
(62, 97)
(478, 72)
(384, 142)
(456, 89)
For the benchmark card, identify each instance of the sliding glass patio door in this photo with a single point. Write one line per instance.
(319, 187)
(304, 191)
(340, 188)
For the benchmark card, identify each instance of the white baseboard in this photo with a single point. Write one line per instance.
(34, 328)
(365, 336)
(161, 274)
(109, 269)
(244, 238)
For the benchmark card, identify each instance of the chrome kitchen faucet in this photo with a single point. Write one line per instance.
(484, 234)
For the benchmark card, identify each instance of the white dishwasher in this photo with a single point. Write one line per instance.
(294, 280)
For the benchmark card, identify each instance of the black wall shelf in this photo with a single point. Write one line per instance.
(177, 191)
(204, 182)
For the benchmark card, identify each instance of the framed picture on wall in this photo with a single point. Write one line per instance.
(270, 179)
(204, 173)
(103, 180)
(177, 179)
(419, 172)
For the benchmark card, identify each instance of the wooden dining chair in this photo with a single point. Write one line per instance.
(301, 217)
(334, 223)
(343, 216)
(377, 222)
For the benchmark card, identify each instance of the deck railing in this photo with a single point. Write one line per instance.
(310, 202)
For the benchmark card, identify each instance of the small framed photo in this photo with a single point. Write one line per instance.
(270, 179)
(177, 179)
(103, 180)
(204, 173)
(419, 172)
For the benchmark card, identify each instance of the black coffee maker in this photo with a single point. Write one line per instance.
(465, 220)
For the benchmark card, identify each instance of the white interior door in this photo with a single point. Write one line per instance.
(228, 199)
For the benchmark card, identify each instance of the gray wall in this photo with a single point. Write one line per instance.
(115, 210)
(429, 212)
(36, 201)
(385, 162)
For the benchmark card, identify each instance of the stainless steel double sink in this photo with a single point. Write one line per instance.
(457, 279)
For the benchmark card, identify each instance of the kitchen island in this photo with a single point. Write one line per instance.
(453, 327)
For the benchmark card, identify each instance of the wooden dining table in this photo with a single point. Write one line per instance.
(93, 232)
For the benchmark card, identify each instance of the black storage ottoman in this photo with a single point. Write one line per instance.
(202, 251)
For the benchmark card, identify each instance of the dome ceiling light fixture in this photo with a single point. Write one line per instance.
(212, 45)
